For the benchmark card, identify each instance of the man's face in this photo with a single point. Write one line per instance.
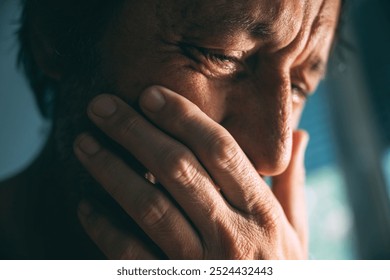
(247, 64)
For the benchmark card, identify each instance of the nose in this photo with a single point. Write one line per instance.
(259, 119)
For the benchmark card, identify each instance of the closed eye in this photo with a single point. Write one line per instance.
(217, 62)
(300, 94)
(218, 57)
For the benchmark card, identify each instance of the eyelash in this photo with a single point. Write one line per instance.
(301, 92)
(210, 55)
(217, 57)
(220, 58)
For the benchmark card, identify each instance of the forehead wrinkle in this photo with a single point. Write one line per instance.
(322, 24)
(300, 41)
(257, 18)
(311, 63)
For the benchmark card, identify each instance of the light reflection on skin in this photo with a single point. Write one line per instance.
(255, 87)
(251, 76)
(248, 65)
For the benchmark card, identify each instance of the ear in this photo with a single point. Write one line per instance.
(46, 56)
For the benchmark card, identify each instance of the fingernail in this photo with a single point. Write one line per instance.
(104, 106)
(152, 100)
(85, 208)
(89, 145)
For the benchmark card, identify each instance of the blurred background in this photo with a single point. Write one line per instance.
(348, 158)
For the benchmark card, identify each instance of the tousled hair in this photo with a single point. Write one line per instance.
(72, 29)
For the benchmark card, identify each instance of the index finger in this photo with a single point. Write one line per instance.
(223, 158)
(173, 164)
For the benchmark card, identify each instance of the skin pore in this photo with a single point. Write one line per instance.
(239, 73)
(257, 90)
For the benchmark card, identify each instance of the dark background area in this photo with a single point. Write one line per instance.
(348, 158)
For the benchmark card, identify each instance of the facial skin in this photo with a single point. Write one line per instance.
(250, 78)
(247, 65)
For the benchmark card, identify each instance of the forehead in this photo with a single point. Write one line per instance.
(260, 18)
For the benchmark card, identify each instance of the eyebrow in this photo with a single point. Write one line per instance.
(232, 21)
(260, 30)
(317, 66)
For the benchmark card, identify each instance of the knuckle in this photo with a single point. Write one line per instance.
(236, 239)
(181, 116)
(102, 161)
(127, 125)
(130, 252)
(99, 230)
(188, 252)
(106, 162)
(179, 166)
(155, 211)
(268, 219)
(224, 153)
(239, 251)
(214, 213)
(108, 167)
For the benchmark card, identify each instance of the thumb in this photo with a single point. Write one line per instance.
(289, 187)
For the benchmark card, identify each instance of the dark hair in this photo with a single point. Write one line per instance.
(73, 29)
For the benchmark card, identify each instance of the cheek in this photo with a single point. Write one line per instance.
(180, 78)
(251, 113)
(208, 96)
(296, 114)
(134, 59)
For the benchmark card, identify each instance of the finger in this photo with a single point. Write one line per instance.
(289, 187)
(212, 144)
(114, 243)
(173, 164)
(160, 219)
